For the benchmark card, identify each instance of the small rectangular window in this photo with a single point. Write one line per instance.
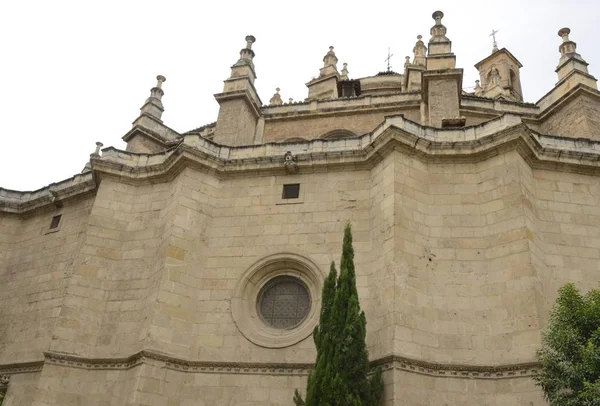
(55, 221)
(291, 191)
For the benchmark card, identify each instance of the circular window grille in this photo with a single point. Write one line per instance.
(275, 303)
(284, 302)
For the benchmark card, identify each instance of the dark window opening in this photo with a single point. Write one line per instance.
(348, 88)
(291, 191)
(55, 221)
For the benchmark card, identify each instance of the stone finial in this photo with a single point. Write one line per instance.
(249, 41)
(290, 100)
(247, 54)
(438, 31)
(330, 59)
(567, 46)
(406, 60)
(345, 72)
(419, 51)
(276, 99)
(570, 61)
(96, 153)
(153, 106)
(478, 89)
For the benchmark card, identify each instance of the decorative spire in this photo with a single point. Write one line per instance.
(570, 60)
(478, 89)
(153, 105)
(247, 54)
(96, 153)
(330, 59)
(438, 31)
(493, 35)
(567, 46)
(345, 72)
(276, 99)
(420, 51)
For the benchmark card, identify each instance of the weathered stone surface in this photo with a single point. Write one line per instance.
(146, 291)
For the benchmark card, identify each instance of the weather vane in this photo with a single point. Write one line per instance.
(389, 67)
(493, 35)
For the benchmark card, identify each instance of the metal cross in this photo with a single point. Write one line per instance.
(493, 35)
(389, 67)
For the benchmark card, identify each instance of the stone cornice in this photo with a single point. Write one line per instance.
(461, 371)
(16, 202)
(463, 145)
(21, 368)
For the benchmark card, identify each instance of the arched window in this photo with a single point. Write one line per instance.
(337, 134)
(293, 139)
(514, 83)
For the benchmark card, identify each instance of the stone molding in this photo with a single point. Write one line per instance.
(21, 368)
(16, 202)
(459, 371)
(463, 145)
(391, 362)
(244, 300)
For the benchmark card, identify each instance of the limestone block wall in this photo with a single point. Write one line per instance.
(236, 124)
(578, 118)
(311, 127)
(381, 323)
(72, 386)
(22, 389)
(36, 266)
(442, 101)
(186, 302)
(250, 222)
(466, 284)
(107, 308)
(566, 242)
(143, 145)
(421, 390)
(163, 386)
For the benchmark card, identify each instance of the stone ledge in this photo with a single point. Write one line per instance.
(456, 371)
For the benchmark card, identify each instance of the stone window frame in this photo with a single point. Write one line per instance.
(245, 298)
(48, 230)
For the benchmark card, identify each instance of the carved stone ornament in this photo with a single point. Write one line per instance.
(289, 160)
(4, 379)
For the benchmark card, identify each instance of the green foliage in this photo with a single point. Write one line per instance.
(340, 376)
(570, 353)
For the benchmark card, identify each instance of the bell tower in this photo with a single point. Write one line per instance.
(499, 74)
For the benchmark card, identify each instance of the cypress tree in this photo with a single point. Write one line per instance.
(340, 376)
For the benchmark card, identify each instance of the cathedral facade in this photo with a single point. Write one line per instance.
(187, 269)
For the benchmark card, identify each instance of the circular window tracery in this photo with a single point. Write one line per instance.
(275, 302)
(284, 302)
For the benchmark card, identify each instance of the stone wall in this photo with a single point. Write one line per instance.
(442, 101)
(236, 124)
(458, 264)
(36, 266)
(312, 127)
(578, 118)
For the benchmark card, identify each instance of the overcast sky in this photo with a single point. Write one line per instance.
(77, 72)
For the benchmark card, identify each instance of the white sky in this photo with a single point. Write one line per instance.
(77, 72)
